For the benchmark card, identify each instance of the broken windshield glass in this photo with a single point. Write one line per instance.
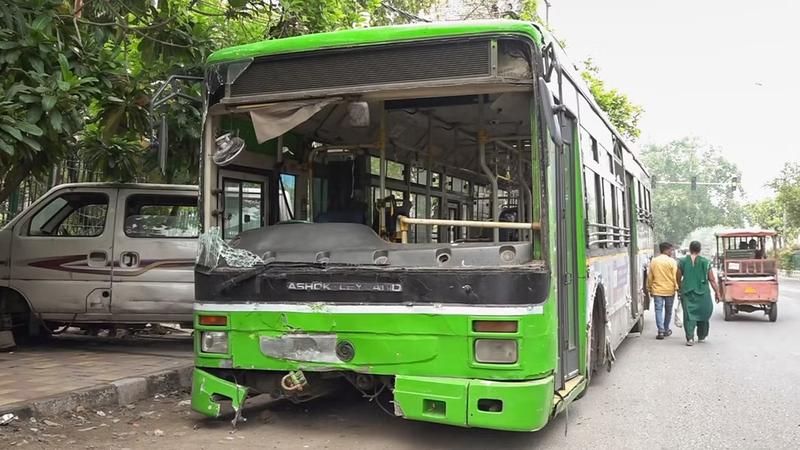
(211, 249)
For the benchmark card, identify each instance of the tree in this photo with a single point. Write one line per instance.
(623, 113)
(677, 208)
(76, 77)
(771, 215)
(787, 188)
(48, 74)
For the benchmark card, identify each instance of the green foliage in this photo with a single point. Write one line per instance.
(770, 214)
(77, 84)
(787, 188)
(46, 80)
(677, 208)
(623, 113)
(789, 258)
(118, 156)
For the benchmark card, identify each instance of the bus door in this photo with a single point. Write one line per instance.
(244, 202)
(633, 246)
(567, 251)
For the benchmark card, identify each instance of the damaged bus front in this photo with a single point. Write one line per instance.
(376, 216)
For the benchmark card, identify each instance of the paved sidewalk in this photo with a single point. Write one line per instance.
(70, 363)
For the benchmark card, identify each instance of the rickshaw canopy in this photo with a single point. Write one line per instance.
(746, 233)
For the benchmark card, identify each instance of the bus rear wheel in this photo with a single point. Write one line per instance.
(638, 327)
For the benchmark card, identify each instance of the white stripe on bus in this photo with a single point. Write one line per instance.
(371, 309)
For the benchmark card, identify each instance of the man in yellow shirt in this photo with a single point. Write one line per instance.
(662, 285)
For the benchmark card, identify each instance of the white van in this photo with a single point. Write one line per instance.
(92, 254)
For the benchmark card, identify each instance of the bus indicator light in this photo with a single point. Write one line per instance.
(495, 326)
(213, 321)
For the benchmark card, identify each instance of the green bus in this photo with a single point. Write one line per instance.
(437, 215)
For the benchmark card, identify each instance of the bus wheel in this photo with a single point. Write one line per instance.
(638, 327)
(727, 311)
(597, 336)
(773, 312)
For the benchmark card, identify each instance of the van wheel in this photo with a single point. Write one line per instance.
(773, 312)
(727, 311)
(24, 325)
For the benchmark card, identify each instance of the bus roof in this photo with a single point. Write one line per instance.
(376, 35)
(746, 233)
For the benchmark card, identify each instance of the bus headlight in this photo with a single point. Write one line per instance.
(214, 342)
(496, 351)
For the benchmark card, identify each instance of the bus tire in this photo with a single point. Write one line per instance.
(638, 327)
(597, 335)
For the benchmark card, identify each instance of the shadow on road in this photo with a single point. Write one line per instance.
(345, 415)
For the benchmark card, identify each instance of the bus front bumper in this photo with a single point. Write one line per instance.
(207, 390)
(502, 405)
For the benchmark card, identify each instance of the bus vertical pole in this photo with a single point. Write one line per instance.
(482, 139)
(523, 190)
(429, 181)
(382, 148)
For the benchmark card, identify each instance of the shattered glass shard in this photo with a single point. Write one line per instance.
(211, 248)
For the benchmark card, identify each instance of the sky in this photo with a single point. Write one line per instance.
(723, 71)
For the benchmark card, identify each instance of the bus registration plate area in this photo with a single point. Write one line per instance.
(301, 347)
(750, 290)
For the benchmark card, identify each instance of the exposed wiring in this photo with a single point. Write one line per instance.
(371, 397)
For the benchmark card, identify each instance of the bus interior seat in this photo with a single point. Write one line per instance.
(393, 209)
(508, 215)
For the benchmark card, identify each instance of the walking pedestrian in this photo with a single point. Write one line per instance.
(694, 276)
(662, 284)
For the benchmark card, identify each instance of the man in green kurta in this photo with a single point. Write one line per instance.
(694, 276)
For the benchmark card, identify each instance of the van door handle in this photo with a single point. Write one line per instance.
(98, 258)
(129, 259)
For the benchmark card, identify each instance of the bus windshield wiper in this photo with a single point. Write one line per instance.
(261, 268)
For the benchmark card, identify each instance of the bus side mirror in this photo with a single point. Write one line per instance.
(549, 112)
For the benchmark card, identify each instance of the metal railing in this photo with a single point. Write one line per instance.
(32, 188)
(608, 234)
(406, 221)
(749, 267)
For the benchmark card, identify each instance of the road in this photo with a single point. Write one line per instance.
(741, 389)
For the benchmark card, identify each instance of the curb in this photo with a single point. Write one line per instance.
(117, 393)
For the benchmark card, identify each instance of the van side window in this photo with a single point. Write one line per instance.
(161, 215)
(76, 214)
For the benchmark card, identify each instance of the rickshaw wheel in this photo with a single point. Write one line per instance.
(727, 311)
(773, 312)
